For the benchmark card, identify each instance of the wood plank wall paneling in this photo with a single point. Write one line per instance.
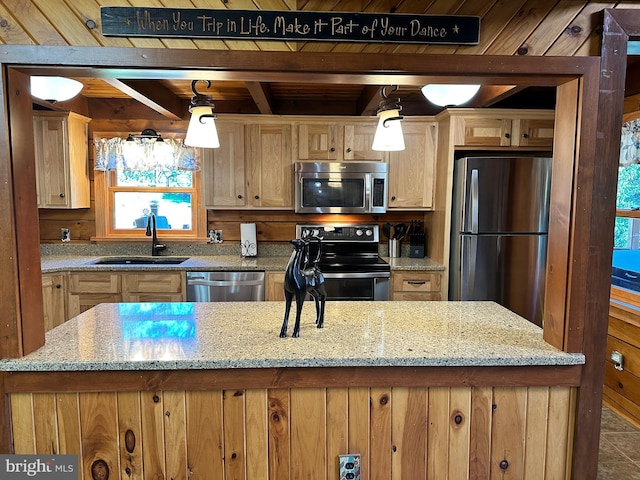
(280, 434)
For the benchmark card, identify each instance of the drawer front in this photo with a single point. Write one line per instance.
(623, 329)
(630, 353)
(416, 283)
(421, 297)
(152, 282)
(622, 382)
(94, 283)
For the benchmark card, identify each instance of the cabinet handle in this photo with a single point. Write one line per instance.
(332, 149)
(257, 197)
(393, 197)
(62, 195)
(58, 285)
(239, 196)
(415, 282)
(525, 135)
(349, 150)
(507, 135)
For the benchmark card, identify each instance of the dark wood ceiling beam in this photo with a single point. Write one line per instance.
(261, 94)
(113, 108)
(152, 94)
(369, 100)
(491, 94)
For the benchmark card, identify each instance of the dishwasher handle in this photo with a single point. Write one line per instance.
(223, 283)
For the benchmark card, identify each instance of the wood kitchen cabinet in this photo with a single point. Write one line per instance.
(153, 287)
(54, 300)
(414, 285)
(502, 128)
(622, 384)
(253, 168)
(88, 289)
(269, 165)
(274, 286)
(61, 154)
(339, 141)
(411, 171)
(223, 169)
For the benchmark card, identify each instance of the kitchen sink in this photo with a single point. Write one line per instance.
(133, 260)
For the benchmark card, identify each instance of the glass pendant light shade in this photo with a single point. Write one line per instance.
(388, 137)
(55, 89)
(449, 95)
(202, 131)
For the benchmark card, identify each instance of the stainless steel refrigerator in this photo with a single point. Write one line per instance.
(499, 231)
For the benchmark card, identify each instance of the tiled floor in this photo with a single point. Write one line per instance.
(619, 457)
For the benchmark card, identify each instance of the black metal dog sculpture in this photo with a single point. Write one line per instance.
(303, 276)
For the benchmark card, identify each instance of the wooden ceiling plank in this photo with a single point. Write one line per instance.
(477, 8)
(491, 94)
(65, 21)
(558, 19)
(572, 38)
(32, 28)
(492, 24)
(90, 10)
(261, 96)
(520, 27)
(153, 95)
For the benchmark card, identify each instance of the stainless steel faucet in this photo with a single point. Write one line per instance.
(156, 247)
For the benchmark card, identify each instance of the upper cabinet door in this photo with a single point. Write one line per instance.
(223, 174)
(62, 166)
(319, 141)
(358, 139)
(270, 165)
(411, 170)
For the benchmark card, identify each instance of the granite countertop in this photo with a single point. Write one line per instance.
(79, 263)
(166, 336)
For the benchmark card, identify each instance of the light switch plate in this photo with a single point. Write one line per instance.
(349, 468)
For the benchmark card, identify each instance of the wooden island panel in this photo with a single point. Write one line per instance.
(290, 433)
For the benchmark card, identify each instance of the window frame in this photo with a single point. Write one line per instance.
(105, 187)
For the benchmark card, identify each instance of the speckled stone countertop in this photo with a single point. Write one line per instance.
(166, 336)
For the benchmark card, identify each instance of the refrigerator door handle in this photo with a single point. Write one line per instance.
(474, 200)
(469, 264)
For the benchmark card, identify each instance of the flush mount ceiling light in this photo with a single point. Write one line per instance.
(55, 89)
(388, 137)
(202, 130)
(449, 95)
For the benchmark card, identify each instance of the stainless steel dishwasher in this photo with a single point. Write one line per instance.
(222, 286)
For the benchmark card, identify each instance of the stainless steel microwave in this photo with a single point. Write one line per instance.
(341, 187)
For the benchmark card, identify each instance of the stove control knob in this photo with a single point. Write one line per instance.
(305, 232)
(315, 232)
(369, 232)
(359, 232)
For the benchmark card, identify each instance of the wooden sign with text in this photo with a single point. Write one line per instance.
(290, 25)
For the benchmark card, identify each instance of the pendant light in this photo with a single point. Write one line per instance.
(449, 95)
(202, 127)
(389, 137)
(55, 89)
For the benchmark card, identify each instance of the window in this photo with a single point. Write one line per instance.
(626, 243)
(126, 198)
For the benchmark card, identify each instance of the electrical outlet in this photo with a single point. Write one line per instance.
(65, 234)
(215, 236)
(349, 466)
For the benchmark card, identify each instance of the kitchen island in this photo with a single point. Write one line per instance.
(209, 390)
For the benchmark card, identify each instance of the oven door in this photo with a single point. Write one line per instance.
(357, 286)
(332, 192)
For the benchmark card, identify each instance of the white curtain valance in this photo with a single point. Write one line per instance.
(630, 143)
(144, 154)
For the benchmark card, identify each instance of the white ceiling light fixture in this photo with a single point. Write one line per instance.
(202, 130)
(449, 95)
(389, 137)
(55, 89)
